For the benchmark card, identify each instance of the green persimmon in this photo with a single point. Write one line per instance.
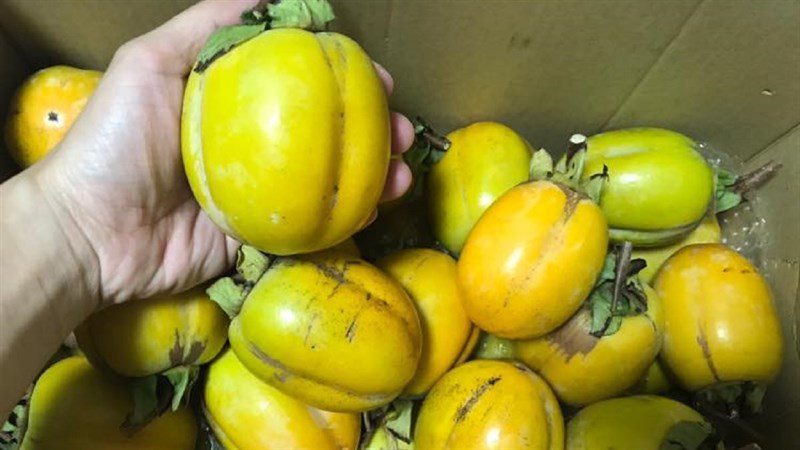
(644, 422)
(659, 186)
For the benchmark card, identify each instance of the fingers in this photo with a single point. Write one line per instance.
(231, 249)
(386, 78)
(402, 133)
(402, 129)
(177, 42)
(398, 180)
(399, 177)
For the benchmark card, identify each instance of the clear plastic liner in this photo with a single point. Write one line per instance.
(743, 228)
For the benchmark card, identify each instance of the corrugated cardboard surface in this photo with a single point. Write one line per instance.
(547, 69)
(724, 71)
(731, 77)
(12, 72)
(780, 203)
(84, 33)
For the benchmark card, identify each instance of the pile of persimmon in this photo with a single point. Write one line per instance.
(508, 293)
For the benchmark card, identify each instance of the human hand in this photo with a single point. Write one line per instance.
(118, 178)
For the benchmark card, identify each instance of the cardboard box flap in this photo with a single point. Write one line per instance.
(731, 77)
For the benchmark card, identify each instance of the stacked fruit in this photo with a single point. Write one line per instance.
(597, 276)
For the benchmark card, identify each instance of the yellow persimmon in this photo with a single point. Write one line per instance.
(337, 334)
(484, 160)
(490, 405)
(75, 407)
(149, 336)
(583, 368)
(720, 320)
(708, 232)
(286, 139)
(44, 108)
(531, 260)
(247, 414)
(429, 277)
(347, 249)
(654, 381)
(630, 423)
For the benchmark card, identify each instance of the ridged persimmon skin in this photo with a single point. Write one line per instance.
(531, 260)
(492, 405)
(429, 277)
(720, 322)
(247, 414)
(286, 140)
(337, 334)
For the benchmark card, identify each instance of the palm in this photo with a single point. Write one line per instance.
(120, 170)
(149, 233)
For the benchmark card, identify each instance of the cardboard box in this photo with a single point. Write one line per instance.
(723, 71)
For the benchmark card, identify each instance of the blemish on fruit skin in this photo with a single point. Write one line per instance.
(178, 355)
(309, 329)
(572, 338)
(571, 205)
(52, 119)
(196, 350)
(273, 363)
(351, 331)
(332, 272)
(703, 343)
(334, 290)
(462, 412)
(334, 198)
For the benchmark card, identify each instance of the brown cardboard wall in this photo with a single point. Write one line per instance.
(86, 33)
(83, 33)
(547, 68)
(12, 71)
(780, 203)
(366, 21)
(731, 77)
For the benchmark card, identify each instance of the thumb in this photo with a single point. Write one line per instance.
(177, 42)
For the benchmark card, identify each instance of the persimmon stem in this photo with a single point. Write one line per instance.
(752, 180)
(623, 267)
(577, 142)
(438, 142)
(427, 133)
